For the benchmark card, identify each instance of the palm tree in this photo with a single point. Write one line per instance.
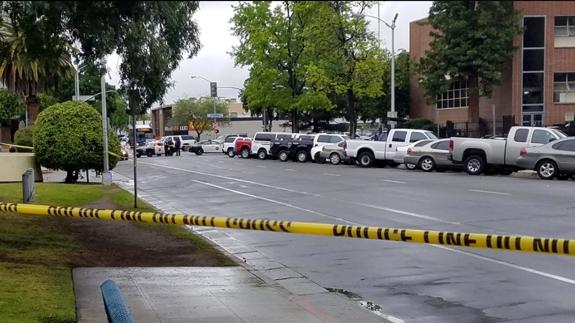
(28, 67)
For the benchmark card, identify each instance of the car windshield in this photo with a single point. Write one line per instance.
(559, 133)
(431, 135)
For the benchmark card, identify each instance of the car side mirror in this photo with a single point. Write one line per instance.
(552, 139)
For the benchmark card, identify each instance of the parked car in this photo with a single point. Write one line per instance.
(334, 153)
(151, 147)
(211, 146)
(324, 139)
(242, 147)
(261, 144)
(402, 151)
(186, 140)
(298, 148)
(431, 155)
(499, 154)
(367, 152)
(555, 159)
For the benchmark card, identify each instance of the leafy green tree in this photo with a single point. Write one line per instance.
(32, 59)
(272, 44)
(472, 40)
(11, 105)
(47, 100)
(195, 113)
(68, 136)
(347, 61)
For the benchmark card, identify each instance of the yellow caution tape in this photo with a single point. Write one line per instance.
(553, 246)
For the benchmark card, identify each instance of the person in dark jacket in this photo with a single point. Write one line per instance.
(178, 146)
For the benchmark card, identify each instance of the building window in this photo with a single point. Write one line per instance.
(533, 71)
(564, 31)
(564, 26)
(564, 88)
(455, 97)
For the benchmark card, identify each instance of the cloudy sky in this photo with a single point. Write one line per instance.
(213, 61)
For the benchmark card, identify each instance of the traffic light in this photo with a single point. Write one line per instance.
(214, 89)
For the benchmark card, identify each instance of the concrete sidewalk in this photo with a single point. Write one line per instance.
(211, 294)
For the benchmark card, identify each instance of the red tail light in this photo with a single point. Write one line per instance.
(409, 151)
(523, 152)
(450, 145)
(342, 144)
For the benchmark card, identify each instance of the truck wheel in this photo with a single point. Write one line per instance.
(474, 165)
(231, 153)
(427, 164)
(392, 164)
(138, 155)
(366, 159)
(199, 152)
(262, 154)
(301, 156)
(149, 154)
(547, 169)
(283, 156)
(245, 153)
(334, 159)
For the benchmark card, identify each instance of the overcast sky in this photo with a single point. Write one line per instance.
(214, 62)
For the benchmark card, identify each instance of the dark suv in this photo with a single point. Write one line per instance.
(297, 148)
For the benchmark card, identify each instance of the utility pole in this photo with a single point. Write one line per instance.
(106, 178)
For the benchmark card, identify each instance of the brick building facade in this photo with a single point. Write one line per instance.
(538, 83)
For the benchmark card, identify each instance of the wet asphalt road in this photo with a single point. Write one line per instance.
(414, 283)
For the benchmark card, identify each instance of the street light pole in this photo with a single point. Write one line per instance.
(392, 113)
(106, 180)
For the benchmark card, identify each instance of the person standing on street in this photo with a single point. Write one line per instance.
(178, 146)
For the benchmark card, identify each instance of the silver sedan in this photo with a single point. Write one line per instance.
(555, 159)
(430, 156)
(335, 153)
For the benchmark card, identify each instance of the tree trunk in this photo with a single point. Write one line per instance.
(71, 176)
(294, 122)
(473, 105)
(33, 108)
(351, 113)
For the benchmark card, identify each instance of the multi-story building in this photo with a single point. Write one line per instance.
(538, 83)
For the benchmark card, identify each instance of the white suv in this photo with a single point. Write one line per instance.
(262, 142)
(185, 140)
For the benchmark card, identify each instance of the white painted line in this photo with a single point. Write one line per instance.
(415, 215)
(233, 179)
(276, 202)
(393, 181)
(289, 170)
(490, 192)
(261, 166)
(330, 174)
(507, 264)
(243, 186)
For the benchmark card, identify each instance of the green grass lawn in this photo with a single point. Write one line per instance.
(35, 272)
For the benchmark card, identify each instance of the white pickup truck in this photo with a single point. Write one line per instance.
(499, 154)
(365, 153)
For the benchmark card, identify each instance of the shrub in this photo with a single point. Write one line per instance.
(419, 123)
(23, 137)
(68, 136)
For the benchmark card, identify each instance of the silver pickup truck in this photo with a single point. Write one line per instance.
(499, 154)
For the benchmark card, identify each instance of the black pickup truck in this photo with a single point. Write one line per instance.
(297, 148)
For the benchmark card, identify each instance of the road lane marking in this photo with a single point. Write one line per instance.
(261, 166)
(507, 264)
(289, 170)
(490, 192)
(275, 202)
(415, 215)
(393, 181)
(330, 174)
(233, 179)
(500, 262)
